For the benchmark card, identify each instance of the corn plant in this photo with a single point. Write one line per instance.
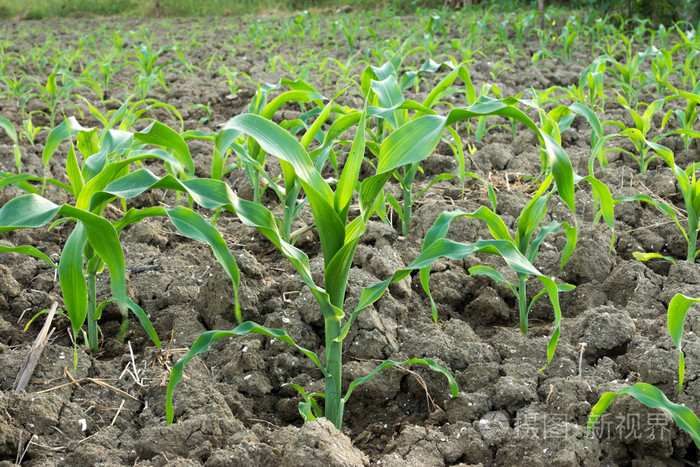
(568, 36)
(105, 176)
(339, 239)
(30, 131)
(148, 72)
(410, 143)
(638, 134)
(690, 190)
(52, 94)
(590, 90)
(650, 395)
(527, 244)
(231, 78)
(350, 33)
(20, 88)
(686, 118)
(384, 91)
(6, 125)
(626, 73)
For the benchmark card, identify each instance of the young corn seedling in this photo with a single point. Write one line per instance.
(20, 88)
(94, 243)
(384, 90)
(6, 125)
(690, 190)
(638, 134)
(300, 92)
(349, 32)
(55, 96)
(688, 117)
(650, 395)
(527, 244)
(626, 73)
(339, 238)
(568, 36)
(590, 90)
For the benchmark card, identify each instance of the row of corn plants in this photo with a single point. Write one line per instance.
(391, 133)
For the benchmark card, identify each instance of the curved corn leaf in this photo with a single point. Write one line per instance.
(143, 319)
(665, 208)
(677, 311)
(161, 135)
(27, 250)
(642, 256)
(308, 408)
(194, 226)
(21, 180)
(60, 133)
(285, 147)
(655, 399)
(389, 363)
(6, 125)
(204, 341)
(72, 280)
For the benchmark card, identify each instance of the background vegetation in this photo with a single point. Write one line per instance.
(658, 11)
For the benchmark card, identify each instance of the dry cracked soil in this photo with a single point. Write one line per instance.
(233, 407)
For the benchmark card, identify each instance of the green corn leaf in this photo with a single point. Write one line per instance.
(439, 178)
(203, 342)
(642, 256)
(665, 208)
(21, 180)
(655, 399)
(571, 240)
(677, 311)
(531, 216)
(73, 171)
(88, 142)
(60, 133)
(161, 135)
(351, 171)
(490, 272)
(389, 363)
(6, 125)
(28, 250)
(289, 96)
(552, 227)
(603, 197)
(194, 226)
(114, 142)
(592, 118)
(308, 408)
(31, 210)
(72, 281)
(145, 322)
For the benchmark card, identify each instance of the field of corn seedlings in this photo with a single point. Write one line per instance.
(337, 238)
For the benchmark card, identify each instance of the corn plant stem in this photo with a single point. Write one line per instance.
(334, 364)
(407, 201)
(256, 187)
(692, 243)
(522, 302)
(289, 212)
(92, 302)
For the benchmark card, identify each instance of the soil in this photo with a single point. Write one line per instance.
(233, 408)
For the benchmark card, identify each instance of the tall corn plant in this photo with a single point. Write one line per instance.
(339, 236)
